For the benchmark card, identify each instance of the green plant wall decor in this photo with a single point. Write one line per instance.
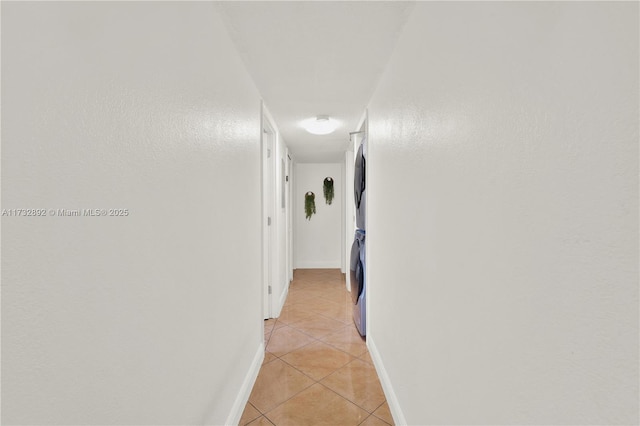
(328, 190)
(309, 204)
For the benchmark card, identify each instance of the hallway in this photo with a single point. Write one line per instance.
(316, 369)
(166, 166)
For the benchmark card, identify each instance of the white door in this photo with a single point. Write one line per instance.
(268, 193)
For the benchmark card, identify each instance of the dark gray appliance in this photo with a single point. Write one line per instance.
(358, 254)
(358, 287)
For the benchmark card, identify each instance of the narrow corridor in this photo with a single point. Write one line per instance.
(317, 369)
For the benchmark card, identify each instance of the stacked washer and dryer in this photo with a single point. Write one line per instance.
(358, 255)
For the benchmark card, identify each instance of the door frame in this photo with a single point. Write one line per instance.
(289, 216)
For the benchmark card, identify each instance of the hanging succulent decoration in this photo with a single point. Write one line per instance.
(309, 204)
(328, 190)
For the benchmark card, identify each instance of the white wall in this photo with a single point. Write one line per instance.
(318, 241)
(503, 214)
(153, 318)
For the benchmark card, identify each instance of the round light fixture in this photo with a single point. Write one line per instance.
(320, 125)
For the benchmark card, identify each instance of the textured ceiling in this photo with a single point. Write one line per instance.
(311, 58)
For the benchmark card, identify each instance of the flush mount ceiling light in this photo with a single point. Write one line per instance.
(320, 125)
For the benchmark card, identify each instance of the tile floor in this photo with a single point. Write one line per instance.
(316, 370)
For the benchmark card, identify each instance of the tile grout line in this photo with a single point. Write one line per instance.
(385, 401)
(317, 338)
(255, 408)
(381, 419)
(347, 399)
(356, 356)
(292, 396)
(296, 368)
(268, 419)
(370, 412)
(286, 400)
(376, 417)
(320, 339)
(321, 384)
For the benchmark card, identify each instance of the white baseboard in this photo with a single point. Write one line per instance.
(283, 298)
(245, 390)
(392, 399)
(318, 265)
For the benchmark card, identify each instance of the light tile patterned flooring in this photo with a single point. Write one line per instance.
(316, 370)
